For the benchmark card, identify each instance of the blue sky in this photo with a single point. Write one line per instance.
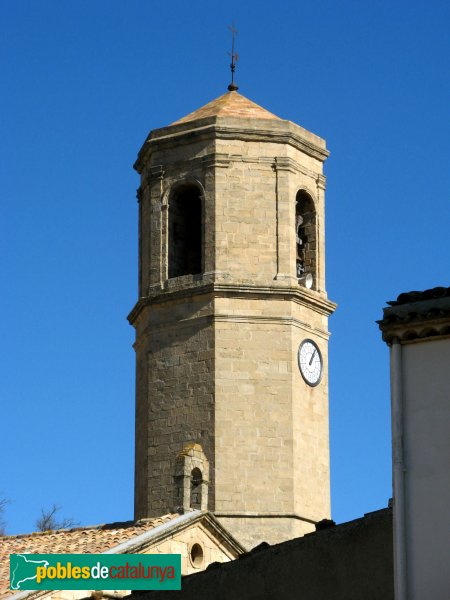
(82, 84)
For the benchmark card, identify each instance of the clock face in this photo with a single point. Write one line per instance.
(310, 362)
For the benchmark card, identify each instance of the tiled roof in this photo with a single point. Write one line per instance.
(416, 315)
(80, 540)
(230, 104)
(432, 294)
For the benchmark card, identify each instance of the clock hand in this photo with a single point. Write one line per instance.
(312, 357)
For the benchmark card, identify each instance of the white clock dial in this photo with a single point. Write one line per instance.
(310, 362)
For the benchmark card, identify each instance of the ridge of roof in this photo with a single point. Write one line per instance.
(419, 296)
(36, 534)
(230, 104)
(155, 532)
(101, 526)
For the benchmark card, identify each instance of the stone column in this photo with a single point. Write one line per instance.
(285, 226)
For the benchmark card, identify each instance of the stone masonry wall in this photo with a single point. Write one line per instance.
(178, 387)
(182, 542)
(271, 433)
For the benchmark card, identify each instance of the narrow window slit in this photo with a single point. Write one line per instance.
(196, 488)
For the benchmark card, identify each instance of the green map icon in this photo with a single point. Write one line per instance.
(23, 568)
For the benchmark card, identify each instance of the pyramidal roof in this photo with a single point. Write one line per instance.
(230, 104)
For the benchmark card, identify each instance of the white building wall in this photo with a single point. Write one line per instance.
(426, 448)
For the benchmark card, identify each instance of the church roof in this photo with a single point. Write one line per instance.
(80, 540)
(113, 538)
(230, 104)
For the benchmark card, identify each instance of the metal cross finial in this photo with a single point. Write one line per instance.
(232, 87)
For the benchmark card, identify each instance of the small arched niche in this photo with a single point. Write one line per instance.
(185, 231)
(305, 235)
(191, 479)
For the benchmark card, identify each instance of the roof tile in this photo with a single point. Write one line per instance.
(230, 104)
(80, 540)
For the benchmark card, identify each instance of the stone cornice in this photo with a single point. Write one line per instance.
(262, 515)
(215, 160)
(259, 130)
(223, 160)
(321, 181)
(275, 320)
(155, 173)
(285, 163)
(233, 318)
(415, 329)
(299, 295)
(287, 137)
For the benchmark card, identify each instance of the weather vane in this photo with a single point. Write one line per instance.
(232, 87)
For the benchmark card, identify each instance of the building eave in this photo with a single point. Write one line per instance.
(226, 128)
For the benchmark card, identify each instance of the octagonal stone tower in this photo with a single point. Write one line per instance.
(231, 223)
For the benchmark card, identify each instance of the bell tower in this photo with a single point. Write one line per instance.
(232, 322)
